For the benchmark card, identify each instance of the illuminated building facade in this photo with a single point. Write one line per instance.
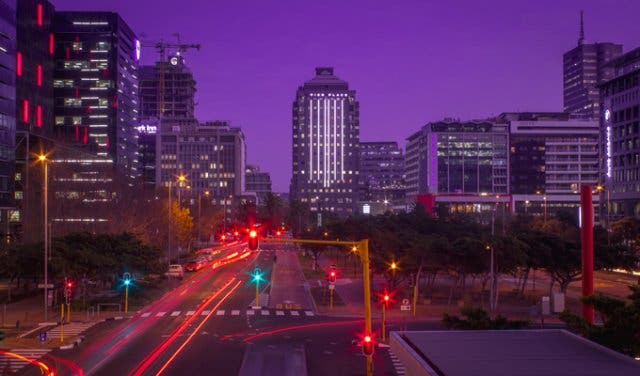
(620, 137)
(179, 89)
(551, 156)
(584, 67)
(96, 86)
(7, 114)
(381, 183)
(462, 166)
(34, 103)
(211, 155)
(326, 137)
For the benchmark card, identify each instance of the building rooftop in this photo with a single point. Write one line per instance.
(507, 353)
(324, 79)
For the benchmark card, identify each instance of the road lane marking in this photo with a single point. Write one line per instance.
(204, 313)
(220, 312)
(160, 314)
(264, 312)
(235, 312)
(147, 314)
(309, 313)
(295, 313)
(175, 313)
(190, 313)
(279, 313)
(250, 312)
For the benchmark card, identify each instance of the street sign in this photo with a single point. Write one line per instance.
(43, 336)
(405, 301)
(41, 285)
(332, 286)
(405, 307)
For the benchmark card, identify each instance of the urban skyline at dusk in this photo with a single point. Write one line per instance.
(408, 64)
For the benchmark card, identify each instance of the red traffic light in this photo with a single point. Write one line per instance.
(368, 346)
(332, 276)
(253, 240)
(235, 233)
(278, 233)
(223, 236)
(69, 284)
(386, 298)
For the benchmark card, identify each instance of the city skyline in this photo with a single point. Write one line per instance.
(257, 60)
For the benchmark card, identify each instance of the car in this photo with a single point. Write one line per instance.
(192, 266)
(175, 271)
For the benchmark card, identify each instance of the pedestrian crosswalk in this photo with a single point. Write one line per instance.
(11, 361)
(234, 312)
(70, 330)
(397, 364)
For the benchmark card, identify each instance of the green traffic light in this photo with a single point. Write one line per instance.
(257, 277)
(126, 282)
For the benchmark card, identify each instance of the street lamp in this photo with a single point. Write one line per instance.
(180, 179)
(493, 279)
(43, 158)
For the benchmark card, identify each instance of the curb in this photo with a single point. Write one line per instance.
(72, 344)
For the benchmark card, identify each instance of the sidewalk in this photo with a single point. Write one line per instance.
(288, 287)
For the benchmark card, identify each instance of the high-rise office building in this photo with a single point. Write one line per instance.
(211, 155)
(96, 86)
(34, 107)
(620, 137)
(326, 138)
(584, 67)
(257, 182)
(461, 166)
(7, 114)
(381, 182)
(179, 103)
(551, 156)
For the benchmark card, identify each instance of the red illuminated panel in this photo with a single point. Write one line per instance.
(19, 64)
(85, 138)
(39, 14)
(25, 110)
(51, 43)
(38, 116)
(39, 75)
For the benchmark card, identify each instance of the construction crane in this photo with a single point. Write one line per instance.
(162, 47)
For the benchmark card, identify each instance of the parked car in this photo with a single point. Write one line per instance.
(175, 270)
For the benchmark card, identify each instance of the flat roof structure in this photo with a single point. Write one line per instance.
(507, 353)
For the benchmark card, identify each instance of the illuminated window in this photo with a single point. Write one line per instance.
(72, 102)
(59, 120)
(39, 14)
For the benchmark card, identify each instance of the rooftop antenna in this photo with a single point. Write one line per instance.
(581, 37)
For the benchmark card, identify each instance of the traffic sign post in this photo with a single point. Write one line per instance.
(127, 280)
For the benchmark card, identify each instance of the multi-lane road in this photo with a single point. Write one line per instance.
(206, 325)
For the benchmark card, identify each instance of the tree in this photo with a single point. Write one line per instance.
(182, 224)
(621, 322)
(478, 319)
(271, 213)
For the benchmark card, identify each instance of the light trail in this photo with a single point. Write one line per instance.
(43, 367)
(145, 363)
(186, 342)
(303, 326)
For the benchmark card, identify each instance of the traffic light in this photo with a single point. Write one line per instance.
(332, 275)
(278, 233)
(127, 282)
(256, 277)
(385, 299)
(253, 240)
(368, 346)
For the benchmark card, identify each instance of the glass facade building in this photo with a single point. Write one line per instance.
(381, 174)
(620, 137)
(96, 86)
(7, 108)
(326, 137)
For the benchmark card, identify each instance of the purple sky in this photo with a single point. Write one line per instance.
(410, 61)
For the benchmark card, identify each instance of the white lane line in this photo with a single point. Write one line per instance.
(235, 312)
(250, 312)
(295, 313)
(279, 313)
(175, 313)
(190, 313)
(204, 313)
(309, 313)
(264, 312)
(220, 312)
(160, 314)
(146, 314)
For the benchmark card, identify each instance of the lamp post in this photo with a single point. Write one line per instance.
(43, 158)
(493, 279)
(181, 179)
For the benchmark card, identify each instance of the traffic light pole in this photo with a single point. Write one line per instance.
(363, 249)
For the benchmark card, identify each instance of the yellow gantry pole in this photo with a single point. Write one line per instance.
(126, 299)
(62, 322)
